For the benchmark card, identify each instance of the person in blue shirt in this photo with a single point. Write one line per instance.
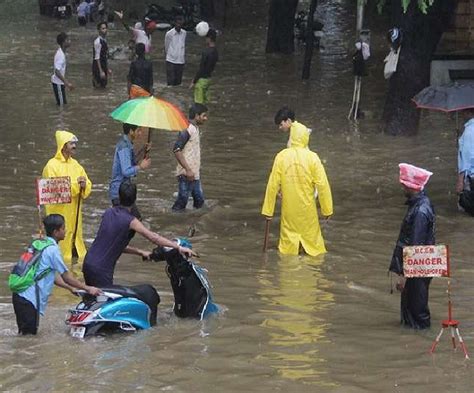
(27, 310)
(125, 166)
(465, 179)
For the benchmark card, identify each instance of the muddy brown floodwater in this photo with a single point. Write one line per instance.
(292, 324)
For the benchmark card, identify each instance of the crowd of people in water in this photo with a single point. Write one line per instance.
(297, 177)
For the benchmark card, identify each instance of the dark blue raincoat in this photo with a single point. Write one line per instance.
(418, 228)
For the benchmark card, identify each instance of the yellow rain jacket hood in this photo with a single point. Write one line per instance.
(59, 166)
(298, 173)
(299, 135)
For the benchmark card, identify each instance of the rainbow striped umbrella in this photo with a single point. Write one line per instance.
(151, 112)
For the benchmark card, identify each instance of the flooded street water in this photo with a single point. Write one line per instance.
(290, 324)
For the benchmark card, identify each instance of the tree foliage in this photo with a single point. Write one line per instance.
(423, 5)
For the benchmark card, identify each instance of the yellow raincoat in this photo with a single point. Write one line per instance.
(298, 172)
(58, 166)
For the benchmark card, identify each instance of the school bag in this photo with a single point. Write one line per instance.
(25, 273)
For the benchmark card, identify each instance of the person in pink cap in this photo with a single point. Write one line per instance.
(418, 228)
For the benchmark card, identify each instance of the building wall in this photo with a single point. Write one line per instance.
(460, 38)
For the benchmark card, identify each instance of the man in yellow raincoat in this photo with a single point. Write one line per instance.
(298, 173)
(63, 164)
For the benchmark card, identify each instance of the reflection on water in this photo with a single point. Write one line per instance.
(294, 299)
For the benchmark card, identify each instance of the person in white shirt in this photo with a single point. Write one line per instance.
(175, 41)
(58, 79)
(139, 35)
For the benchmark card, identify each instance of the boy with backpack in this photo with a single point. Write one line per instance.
(33, 276)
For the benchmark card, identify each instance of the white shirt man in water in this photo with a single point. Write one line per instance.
(58, 79)
(175, 41)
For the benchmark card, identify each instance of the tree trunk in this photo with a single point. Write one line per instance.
(421, 34)
(308, 53)
(281, 20)
(207, 9)
(214, 11)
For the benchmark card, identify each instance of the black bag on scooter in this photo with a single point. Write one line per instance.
(192, 297)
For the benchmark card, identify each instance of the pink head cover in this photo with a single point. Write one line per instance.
(413, 177)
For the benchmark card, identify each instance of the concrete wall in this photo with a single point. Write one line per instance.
(440, 69)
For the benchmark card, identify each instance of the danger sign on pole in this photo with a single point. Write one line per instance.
(426, 261)
(433, 261)
(53, 190)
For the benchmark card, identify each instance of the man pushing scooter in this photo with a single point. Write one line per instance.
(113, 237)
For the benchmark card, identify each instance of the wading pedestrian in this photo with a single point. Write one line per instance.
(418, 228)
(64, 164)
(175, 43)
(187, 151)
(298, 173)
(58, 79)
(100, 69)
(202, 79)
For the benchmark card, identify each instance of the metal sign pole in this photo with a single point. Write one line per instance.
(450, 323)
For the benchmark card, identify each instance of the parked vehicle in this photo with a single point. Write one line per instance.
(56, 8)
(166, 16)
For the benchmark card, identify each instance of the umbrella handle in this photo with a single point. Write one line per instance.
(147, 146)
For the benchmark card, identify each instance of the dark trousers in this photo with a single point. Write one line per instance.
(97, 81)
(414, 303)
(174, 73)
(59, 94)
(27, 317)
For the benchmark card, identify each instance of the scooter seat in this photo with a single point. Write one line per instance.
(122, 291)
(145, 292)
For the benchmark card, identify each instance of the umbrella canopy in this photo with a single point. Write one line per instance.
(446, 98)
(151, 112)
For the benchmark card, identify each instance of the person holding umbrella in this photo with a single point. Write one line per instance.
(125, 166)
(465, 180)
(64, 164)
